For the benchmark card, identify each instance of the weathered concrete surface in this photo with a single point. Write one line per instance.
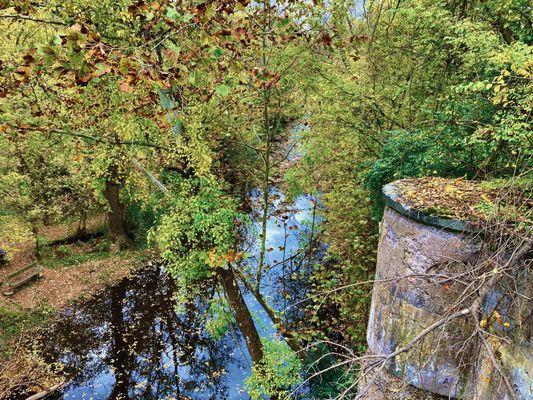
(392, 195)
(510, 343)
(407, 298)
(414, 254)
(485, 383)
(385, 386)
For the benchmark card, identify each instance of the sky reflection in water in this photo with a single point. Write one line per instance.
(130, 343)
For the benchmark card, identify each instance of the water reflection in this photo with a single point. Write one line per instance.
(292, 249)
(129, 342)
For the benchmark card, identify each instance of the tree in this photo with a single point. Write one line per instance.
(153, 101)
(407, 89)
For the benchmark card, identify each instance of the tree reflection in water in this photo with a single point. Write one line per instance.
(130, 343)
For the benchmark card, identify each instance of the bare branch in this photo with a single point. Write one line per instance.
(33, 19)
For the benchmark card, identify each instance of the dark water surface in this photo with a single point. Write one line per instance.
(130, 342)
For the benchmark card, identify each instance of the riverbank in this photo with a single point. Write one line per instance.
(71, 271)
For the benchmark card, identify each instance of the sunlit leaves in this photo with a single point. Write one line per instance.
(218, 52)
(220, 317)
(278, 374)
(172, 13)
(198, 233)
(222, 90)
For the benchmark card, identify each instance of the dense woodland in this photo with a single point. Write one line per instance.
(161, 116)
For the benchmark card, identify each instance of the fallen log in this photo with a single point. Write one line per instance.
(44, 393)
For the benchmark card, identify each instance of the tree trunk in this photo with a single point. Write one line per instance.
(117, 233)
(242, 314)
(287, 335)
(82, 225)
(35, 232)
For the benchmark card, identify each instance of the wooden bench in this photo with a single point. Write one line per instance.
(22, 277)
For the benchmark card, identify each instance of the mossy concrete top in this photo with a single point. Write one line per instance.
(457, 204)
(392, 195)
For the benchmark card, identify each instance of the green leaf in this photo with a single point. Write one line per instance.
(218, 52)
(173, 47)
(165, 100)
(172, 13)
(222, 90)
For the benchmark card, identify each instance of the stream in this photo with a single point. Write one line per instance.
(131, 342)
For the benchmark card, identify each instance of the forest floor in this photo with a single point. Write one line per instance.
(71, 270)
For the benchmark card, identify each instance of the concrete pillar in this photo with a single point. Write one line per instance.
(415, 251)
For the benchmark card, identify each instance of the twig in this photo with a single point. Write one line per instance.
(28, 18)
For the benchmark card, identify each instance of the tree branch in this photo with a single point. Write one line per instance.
(89, 137)
(33, 19)
(157, 183)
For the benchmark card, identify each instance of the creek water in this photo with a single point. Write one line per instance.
(131, 342)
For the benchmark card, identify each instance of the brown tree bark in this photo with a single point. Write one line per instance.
(82, 225)
(242, 314)
(289, 338)
(117, 234)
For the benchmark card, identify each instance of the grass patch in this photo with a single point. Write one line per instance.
(71, 255)
(14, 322)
